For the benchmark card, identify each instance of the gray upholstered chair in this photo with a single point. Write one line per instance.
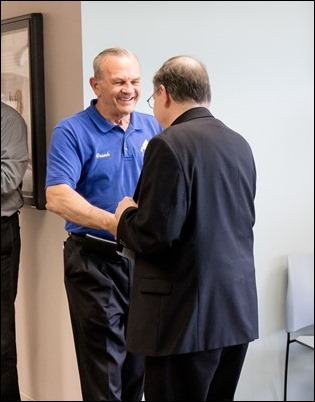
(299, 304)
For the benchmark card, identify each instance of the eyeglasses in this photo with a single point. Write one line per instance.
(151, 99)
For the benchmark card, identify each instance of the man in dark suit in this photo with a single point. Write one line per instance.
(193, 306)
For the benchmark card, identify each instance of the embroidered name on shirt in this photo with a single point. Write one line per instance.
(105, 155)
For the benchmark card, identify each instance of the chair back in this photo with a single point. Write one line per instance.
(300, 291)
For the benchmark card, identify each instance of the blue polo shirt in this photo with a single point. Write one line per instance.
(99, 160)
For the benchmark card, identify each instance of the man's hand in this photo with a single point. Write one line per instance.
(126, 202)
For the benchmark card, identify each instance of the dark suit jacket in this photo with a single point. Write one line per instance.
(194, 284)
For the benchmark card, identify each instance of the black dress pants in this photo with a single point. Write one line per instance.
(98, 295)
(202, 376)
(10, 259)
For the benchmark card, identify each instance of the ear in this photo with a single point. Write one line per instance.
(94, 85)
(166, 98)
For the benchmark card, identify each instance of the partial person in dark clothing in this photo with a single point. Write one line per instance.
(95, 159)
(193, 308)
(14, 159)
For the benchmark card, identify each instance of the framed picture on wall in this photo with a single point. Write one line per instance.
(23, 88)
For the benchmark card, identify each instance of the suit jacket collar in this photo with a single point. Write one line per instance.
(191, 114)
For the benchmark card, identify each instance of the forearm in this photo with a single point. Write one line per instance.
(67, 203)
(12, 173)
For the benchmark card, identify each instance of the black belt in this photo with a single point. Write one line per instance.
(8, 218)
(77, 237)
(95, 246)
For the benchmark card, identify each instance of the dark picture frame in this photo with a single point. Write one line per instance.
(23, 87)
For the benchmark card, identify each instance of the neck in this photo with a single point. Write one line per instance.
(122, 122)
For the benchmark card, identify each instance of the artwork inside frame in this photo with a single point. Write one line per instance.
(23, 88)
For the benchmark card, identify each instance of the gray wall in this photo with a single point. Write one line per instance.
(260, 57)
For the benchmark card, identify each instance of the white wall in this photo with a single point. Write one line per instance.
(260, 58)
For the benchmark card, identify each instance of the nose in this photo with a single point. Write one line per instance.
(127, 87)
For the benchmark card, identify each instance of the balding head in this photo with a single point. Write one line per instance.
(186, 80)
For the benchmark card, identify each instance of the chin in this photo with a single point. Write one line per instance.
(129, 108)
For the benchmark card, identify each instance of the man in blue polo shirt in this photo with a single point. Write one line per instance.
(95, 159)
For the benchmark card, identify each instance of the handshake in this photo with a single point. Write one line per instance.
(125, 203)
